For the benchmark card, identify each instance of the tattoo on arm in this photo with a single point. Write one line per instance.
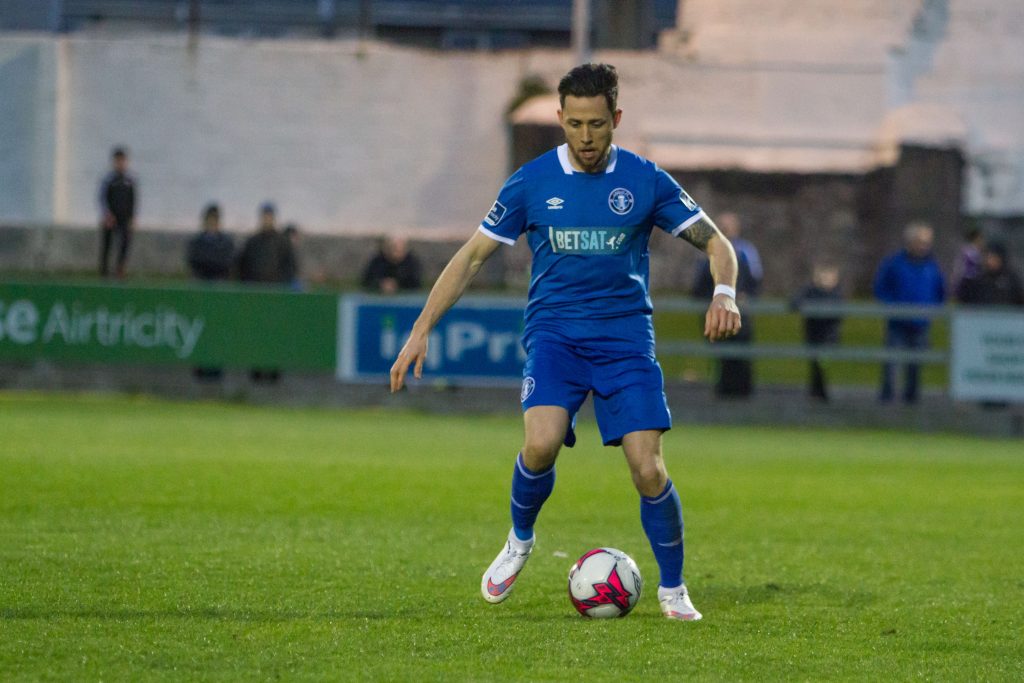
(699, 234)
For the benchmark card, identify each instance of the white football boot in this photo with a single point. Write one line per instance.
(675, 604)
(500, 577)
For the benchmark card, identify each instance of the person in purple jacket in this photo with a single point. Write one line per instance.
(912, 277)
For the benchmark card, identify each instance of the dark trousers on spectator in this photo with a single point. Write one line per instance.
(819, 386)
(124, 237)
(736, 375)
(818, 382)
(911, 339)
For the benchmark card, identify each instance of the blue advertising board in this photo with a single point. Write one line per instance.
(476, 343)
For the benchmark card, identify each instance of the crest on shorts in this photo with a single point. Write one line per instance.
(620, 201)
(528, 386)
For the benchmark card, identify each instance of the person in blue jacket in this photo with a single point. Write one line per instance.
(911, 277)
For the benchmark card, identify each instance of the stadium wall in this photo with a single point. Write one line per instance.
(355, 138)
(344, 136)
(159, 253)
(28, 121)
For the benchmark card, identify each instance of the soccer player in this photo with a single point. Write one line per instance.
(587, 209)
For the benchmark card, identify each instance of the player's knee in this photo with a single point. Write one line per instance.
(540, 453)
(649, 477)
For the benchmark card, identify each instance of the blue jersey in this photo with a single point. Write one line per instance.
(589, 235)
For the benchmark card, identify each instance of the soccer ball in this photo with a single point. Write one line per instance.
(604, 583)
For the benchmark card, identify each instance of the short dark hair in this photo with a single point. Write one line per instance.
(997, 248)
(591, 80)
(212, 210)
(119, 153)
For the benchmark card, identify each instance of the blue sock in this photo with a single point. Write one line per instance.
(529, 491)
(662, 519)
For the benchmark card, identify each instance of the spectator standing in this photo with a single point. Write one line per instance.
(394, 268)
(267, 256)
(821, 330)
(911, 277)
(118, 198)
(996, 285)
(291, 231)
(968, 261)
(211, 252)
(734, 375)
(731, 226)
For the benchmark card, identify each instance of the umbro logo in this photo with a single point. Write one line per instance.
(555, 203)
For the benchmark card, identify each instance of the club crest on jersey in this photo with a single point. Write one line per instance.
(687, 200)
(496, 213)
(528, 386)
(620, 201)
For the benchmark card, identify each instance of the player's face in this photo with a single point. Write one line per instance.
(588, 126)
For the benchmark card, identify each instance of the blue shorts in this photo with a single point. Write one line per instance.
(629, 390)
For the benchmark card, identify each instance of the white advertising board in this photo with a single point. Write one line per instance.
(987, 355)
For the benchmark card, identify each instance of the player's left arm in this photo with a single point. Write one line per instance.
(723, 317)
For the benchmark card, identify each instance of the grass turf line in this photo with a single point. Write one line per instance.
(153, 540)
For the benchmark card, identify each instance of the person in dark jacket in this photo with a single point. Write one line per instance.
(820, 330)
(996, 285)
(394, 268)
(211, 253)
(968, 260)
(118, 198)
(267, 256)
(910, 276)
(732, 227)
(294, 236)
(734, 375)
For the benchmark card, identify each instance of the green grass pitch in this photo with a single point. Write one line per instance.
(154, 540)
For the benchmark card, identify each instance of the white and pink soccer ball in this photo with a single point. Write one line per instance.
(604, 583)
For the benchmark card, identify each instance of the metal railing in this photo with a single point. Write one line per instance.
(835, 352)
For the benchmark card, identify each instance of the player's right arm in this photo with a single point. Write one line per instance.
(449, 287)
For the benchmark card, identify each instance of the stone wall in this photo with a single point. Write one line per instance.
(794, 220)
(850, 220)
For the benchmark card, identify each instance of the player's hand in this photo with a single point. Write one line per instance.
(413, 353)
(723, 319)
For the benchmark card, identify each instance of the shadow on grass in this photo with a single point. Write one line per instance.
(202, 614)
(721, 595)
(772, 592)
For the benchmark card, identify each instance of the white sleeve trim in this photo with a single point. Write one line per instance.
(688, 222)
(496, 236)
